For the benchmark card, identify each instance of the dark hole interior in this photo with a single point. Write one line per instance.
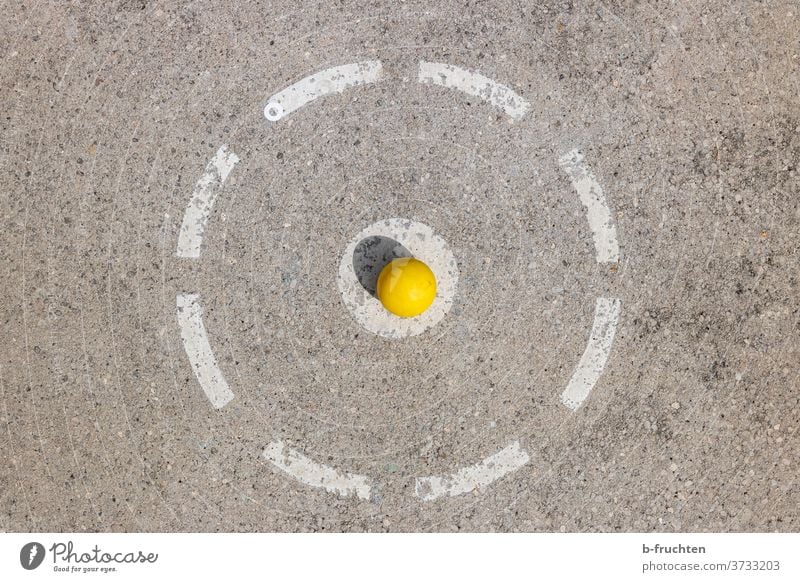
(371, 255)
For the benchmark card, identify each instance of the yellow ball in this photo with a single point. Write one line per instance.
(406, 287)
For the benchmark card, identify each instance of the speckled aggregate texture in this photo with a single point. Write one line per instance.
(688, 115)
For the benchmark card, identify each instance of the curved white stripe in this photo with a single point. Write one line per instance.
(593, 360)
(202, 201)
(475, 476)
(316, 474)
(195, 342)
(473, 83)
(333, 80)
(601, 223)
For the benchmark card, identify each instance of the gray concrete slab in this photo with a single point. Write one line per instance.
(686, 115)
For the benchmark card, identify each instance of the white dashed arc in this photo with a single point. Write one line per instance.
(337, 80)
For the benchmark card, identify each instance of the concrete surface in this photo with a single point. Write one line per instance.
(687, 114)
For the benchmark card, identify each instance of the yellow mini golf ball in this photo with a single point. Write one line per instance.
(406, 287)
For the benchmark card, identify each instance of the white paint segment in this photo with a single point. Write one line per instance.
(595, 356)
(601, 223)
(325, 82)
(195, 342)
(199, 209)
(473, 83)
(473, 477)
(316, 474)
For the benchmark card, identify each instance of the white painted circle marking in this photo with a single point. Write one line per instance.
(273, 111)
(415, 239)
(422, 243)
